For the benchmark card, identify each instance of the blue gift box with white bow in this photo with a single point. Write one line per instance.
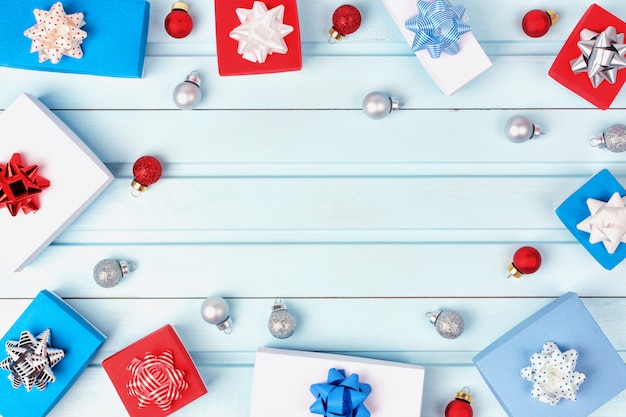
(566, 322)
(69, 332)
(115, 43)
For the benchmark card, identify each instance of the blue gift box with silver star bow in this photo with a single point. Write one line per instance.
(52, 334)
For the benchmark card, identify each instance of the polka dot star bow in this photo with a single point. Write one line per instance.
(56, 34)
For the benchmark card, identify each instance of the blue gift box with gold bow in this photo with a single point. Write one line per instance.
(105, 38)
(43, 354)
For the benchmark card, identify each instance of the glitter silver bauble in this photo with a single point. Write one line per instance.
(377, 105)
(187, 95)
(613, 138)
(281, 324)
(109, 272)
(215, 311)
(519, 129)
(449, 323)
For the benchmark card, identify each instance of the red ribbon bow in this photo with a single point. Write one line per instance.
(156, 381)
(20, 185)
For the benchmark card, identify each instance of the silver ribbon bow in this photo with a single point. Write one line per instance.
(602, 55)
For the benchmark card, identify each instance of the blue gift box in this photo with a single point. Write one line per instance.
(574, 210)
(567, 323)
(69, 332)
(115, 46)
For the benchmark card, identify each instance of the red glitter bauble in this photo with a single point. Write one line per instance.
(536, 23)
(346, 20)
(178, 23)
(526, 260)
(146, 170)
(460, 406)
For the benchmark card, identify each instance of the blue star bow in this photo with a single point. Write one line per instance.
(340, 396)
(438, 27)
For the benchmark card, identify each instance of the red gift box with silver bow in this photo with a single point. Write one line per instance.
(257, 37)
(608, 57)
(155, 376)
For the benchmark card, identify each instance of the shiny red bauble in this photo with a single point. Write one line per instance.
(178, 23)
(536, 23)
(526, 260)
(346, 20)
(460, 406)
(146, 171)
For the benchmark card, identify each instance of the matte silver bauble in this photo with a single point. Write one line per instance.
(613, 138)
(215, 311)
(377, 105)
(187, 95)
(519, 129)
(109, 272)
(449, 323)
(281, 324)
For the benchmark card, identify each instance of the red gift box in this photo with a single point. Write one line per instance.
(156, 344)
(230, 62)
(596, 19)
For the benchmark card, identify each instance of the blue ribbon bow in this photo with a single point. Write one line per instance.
(438, 27)
(340, 396)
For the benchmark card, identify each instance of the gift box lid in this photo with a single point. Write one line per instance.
(596, 19)
(115, 46)
(71, 332)
(157, 342)
(449, 72)
(574, 210)
(230, 61)
(397, 388)
(75, 173)
(567, 323)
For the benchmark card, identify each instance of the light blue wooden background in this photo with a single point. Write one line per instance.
(278, 185)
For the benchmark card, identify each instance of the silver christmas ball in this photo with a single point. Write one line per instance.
(109, 272)
(519, 129)
(215, 311)
(377, 105)
(187, 95)
(281, 324)
(613, 138)
(449, 323)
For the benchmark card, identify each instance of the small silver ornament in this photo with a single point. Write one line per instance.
(378, 105)
(281, 324)
(613, 138)
(187, 95)
(214, 310)
(449, 323)
(109, 272)
(519, 129)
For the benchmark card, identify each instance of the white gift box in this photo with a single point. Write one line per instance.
(449, 72)
(282, 381)
(76, 178)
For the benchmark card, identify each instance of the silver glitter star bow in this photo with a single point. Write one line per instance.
(30, 360)
(602, 55)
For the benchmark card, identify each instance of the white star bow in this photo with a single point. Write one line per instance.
(56, 34)
(607, 222)
(553, 374)
(261, 32)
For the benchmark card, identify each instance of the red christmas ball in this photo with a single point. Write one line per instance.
(460, 406)
(146, 171)
(536, 23)
(346, 20)
(178, 23)
(526, 260)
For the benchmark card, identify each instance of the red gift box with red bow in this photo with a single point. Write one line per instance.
(231, 16)
(155, 376)
(597, 20)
